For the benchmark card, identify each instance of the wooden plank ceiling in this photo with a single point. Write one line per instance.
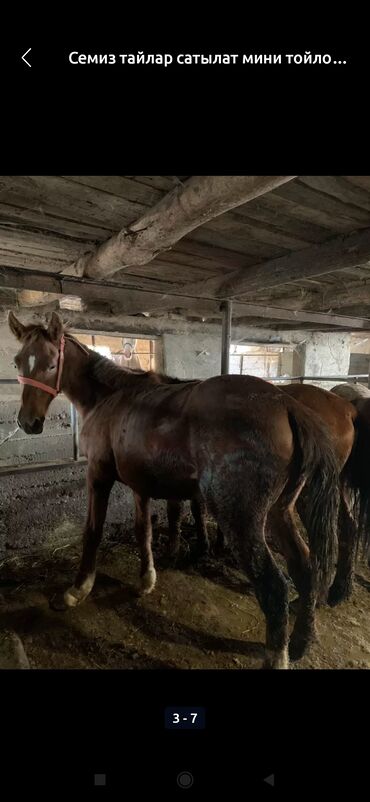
(48, 222)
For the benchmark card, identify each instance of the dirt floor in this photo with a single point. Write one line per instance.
(201, 615)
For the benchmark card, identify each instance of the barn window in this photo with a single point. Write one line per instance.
(126, 351)
(265, 361)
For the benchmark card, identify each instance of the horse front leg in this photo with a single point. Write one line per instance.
(143, 531)
(98, 497)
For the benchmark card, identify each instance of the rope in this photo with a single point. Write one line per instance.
(9, 436)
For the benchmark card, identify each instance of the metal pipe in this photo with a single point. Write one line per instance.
(9, 470)
(41, 466)
(227, 311)
(347, 378)
(74, 425)
(351, 378)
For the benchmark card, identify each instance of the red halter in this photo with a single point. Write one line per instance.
(52, 390)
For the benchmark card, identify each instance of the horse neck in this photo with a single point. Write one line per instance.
(75, 382)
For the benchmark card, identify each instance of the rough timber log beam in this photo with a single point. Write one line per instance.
(126, 301)
(325, 299)
(338, 253)
(198, 200)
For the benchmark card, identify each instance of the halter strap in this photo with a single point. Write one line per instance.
(46, 387)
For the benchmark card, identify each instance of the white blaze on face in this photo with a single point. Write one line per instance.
(31, 362)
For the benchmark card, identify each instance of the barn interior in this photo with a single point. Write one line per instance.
(191, 276)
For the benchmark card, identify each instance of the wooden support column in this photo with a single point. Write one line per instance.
(227, 310)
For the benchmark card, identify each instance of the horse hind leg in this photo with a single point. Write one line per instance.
(283, 527)
(271, 590)
(174, 515)
(221, 542)
(342, 586)
(243, 520)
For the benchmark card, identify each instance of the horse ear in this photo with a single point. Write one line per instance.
(55, 328)
(16, 327)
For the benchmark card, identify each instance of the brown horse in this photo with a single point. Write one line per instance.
(351, 437)
(352, 392)
(349, 426)
(359, 395)
(235, 442)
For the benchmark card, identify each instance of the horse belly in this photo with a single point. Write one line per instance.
(166, 474)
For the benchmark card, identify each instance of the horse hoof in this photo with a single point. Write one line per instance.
(299, 645)
(297, 650)
(70, 598)
(338, 594)
(276, 660)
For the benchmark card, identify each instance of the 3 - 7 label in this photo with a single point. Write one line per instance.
(185, 718)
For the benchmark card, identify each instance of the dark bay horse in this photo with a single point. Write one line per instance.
(352, 392)
(236, 443)
(350, 431)
(359, 395)
(349, 425)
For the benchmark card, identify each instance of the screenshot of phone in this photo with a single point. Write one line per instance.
(184, 421)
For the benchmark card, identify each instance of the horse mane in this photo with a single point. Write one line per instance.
(115, 377)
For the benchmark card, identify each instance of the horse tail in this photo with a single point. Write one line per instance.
(318, 465)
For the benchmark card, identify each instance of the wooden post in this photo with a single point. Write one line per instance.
(74, 426)
(227, 309)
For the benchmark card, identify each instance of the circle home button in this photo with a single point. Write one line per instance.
(185, 779)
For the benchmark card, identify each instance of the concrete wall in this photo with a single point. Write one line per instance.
(193, 356)
(327, 355)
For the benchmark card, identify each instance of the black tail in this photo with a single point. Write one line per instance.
(319, 466)
(357, 479)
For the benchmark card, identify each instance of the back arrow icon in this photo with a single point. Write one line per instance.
(25, 54)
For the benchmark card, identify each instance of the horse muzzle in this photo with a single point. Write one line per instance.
(35, 427)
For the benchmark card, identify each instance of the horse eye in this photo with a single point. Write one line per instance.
(52, 367)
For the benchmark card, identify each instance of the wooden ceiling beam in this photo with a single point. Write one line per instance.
(338, 253)
(185, 208)
(124, 300)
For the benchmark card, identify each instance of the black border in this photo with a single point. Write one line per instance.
(60, 728)
(276, 121)
(189, 120)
